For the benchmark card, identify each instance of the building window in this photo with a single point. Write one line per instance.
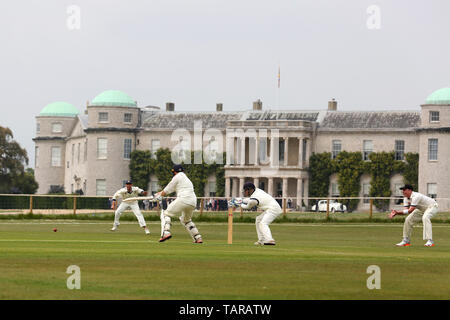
(434, 116)
(212, 188)
(281, 150)
(127, 117)
(102, 148)
(432, 149)
(78, 152)
(156, 144)
(56, 127)
(103, 117)
(38, 127)
(68, 164)
(367, 149)
(127, 148)
(366, 190)
(56, 156)
(399, 150)
(334, 189)
(432, 190)
(336, 147)
(36, 157)
(100, 187)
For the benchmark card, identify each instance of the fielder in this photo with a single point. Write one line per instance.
(271, 210)
(184, 204)
(128, 192)
(419, 207)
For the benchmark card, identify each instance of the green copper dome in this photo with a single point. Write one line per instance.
(114, 98)
(59, 109)
(441, 96)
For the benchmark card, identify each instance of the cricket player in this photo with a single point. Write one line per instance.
(419, 207)
(183, 205)
(271, 210)
(128, 192)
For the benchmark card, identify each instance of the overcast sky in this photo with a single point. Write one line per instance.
(198, 53)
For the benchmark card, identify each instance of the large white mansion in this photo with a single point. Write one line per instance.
(91, 150)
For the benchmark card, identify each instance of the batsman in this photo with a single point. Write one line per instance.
(183, 205)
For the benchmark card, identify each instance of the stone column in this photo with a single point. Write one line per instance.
(299, 193)
(285, 188)
(256, 182)
(286, 153)
(230, 150)
(274, 150)
(270, 186)
(227, 187)
(256, 150)
(242, 153)
(241, 187)
(306, 187)
(300, 152)
(308, 152)
(235, 187)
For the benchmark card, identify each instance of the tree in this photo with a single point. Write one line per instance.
(25, 183)
(13, 158)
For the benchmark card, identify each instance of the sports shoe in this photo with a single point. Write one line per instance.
(199, 240)
(162, 239)
(147, 231)
(114, 228)
(269, 243)
(403, 243)
(430, 243)
(259, 243)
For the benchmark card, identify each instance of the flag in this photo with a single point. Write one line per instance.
(278, 77)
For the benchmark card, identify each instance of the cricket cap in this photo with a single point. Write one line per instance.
(177, 168)
(249, 185)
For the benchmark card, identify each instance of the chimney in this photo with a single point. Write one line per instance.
(219, 107)
(257, 105)
(332, 105)
(170, 106)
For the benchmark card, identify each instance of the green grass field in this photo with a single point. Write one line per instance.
(310, 261)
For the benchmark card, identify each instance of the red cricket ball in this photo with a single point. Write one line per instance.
(54, 229)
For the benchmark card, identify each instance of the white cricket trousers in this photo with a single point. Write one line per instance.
(418, 215)
(137, 212)
(177, 207)
(262, 225)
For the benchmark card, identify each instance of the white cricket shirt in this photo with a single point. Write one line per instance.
(124, 194)
(265, 201)
(183, 187)
(421, 202)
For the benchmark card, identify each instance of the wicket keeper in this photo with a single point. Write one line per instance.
(271, 210)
